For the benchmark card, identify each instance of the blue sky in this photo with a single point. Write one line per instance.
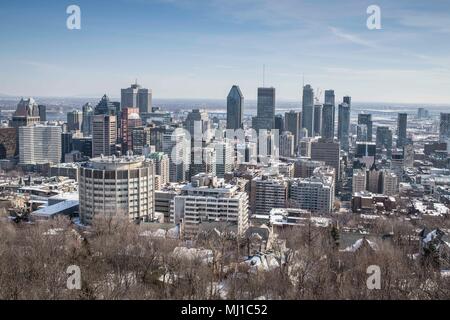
(200, 48)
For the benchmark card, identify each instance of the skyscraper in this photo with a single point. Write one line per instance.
(366, 119)
(292, 124)
(105, 106)
(74, 120)
(39, 144)
(199, 126)
(401, 129)
(317, 119)
(86, 125)
(265, 118)
(130, 119)
(137, 97)
(235, 108)
(279, 123)
(308, 109)
(444, 128)
(177, 147)
(328, 152)
(104, 135)
(328, 116)
(384, 139)
(344, 125)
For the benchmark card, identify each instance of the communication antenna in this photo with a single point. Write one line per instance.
(264, 75)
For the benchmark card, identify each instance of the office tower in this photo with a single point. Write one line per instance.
(198, 125)
(365, 149)
(203, 160)
(267, 192)
(366, 119)
(177, 146)
(86, 125)
(74, 120)
(422, 113)
(137, 97)
(265, 118)
(347, 100)
(105, 106)
(130, 119)
(39, 144)
(315, 193)
(444, 128)
(235, 108)
(66, 144)
(279, 123)
(162, 164)
(401, 129)
(292, 123)
(224, 157)
(287, 143)
(83, 145)
(308, 110)
(26, 114)
(361, 133)
(374, 180)
(317, 119)
(408, 154)
(104, 135)
(117, 186)
(140, 139)
(328, 152)
(344, 125)
(329, 98)
(359, 180)
(42, 112)
(208, 202)
(305, 147)
(389, 183)
(384, 139)
(397, 162)
(328, 119)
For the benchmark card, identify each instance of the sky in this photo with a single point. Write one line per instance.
(200, 48)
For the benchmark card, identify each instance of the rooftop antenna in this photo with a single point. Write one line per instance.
(264, 75)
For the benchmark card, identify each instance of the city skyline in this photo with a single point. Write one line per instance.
(218, 46)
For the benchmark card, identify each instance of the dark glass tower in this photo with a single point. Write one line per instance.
(235, 108)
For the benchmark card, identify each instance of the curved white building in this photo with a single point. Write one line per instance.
(117, 186)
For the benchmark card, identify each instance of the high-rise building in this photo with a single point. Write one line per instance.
(117, 186)
(105, 106)
(176, 145)
(344, 125)
(366, 119)
(422, 113)
(66, 144)
(208, 201)
(329, 98)
(315, 194)
(292, 123)
(287, 144)
(203, 160)
(235, 109)
(265, 118)
(224, 152)
(279, 123)
(267, 192)
(86, 125)
(27, 113)
(359, 180)
(328, 120)
(140, 138)
(401, 129)
(444, 128)
(39, 144)
(308, 109)
(137, 97)
(74, 120)
(304, 167)
(384, 139)
(389, 183)
(199, 127)
(317, 119)
(42, 112)
(104, 135)
(328, 152)
(130, 119)
(162, 164)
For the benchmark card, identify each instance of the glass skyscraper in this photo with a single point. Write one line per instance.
(308, 109)
(235, 108)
